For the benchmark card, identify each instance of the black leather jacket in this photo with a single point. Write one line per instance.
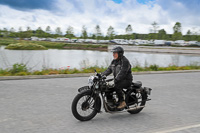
(121, 69)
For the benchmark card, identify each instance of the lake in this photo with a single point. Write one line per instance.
(61, 59)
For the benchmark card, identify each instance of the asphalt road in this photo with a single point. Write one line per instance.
(44, 106)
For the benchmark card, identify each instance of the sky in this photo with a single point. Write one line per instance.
(140, 14)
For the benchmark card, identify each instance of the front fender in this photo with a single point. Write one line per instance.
(84, 88)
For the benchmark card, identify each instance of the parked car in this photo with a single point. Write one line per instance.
(62, 39)
(88, 40)
(80, 40)
(159, 42)
(193, 42)
(41, 39)
(53, 40)
(120, 41)
(169, 43)
(33, 38)
(180, 42)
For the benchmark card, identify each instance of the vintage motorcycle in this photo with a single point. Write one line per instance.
(87, 103)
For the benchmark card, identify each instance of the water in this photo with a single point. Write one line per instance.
(60, 59)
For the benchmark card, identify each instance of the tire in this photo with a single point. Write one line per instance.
(136, 111)
(74, 106)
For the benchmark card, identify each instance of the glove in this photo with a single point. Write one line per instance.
(103, 76)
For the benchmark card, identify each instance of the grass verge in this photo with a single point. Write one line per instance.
(22, 70)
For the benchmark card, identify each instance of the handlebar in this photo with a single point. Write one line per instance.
(108, 80)
(100, 76)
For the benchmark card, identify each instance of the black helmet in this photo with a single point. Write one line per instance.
(118, 50)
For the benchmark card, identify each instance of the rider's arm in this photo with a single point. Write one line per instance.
(107, 71)
(124, 69)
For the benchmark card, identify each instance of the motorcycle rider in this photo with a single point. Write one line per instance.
(121, 69)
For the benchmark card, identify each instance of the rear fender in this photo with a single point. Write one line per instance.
(144, 90)
(147, 90)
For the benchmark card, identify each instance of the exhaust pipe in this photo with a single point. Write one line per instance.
(135, 108)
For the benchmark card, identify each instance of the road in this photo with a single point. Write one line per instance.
(44, 106)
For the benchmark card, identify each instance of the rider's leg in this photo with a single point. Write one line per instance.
(118, 88)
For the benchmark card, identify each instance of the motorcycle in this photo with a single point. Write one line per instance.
(87, 103)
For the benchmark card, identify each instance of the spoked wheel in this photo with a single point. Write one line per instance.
(83, 106)
(136, 102)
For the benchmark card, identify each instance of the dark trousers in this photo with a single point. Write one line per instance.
(118, 88)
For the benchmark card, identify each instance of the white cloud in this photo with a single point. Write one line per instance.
(103, 12)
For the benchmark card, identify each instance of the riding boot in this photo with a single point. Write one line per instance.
(122, 105)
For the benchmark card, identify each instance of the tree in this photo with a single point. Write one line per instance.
(58, 31)
(93, 36)
(188, 32)
(20, 34)
(177, 31)
(28, 32)
(153, 36)
(154, 27)
(28, 28)
(129, 29)
(188, 35)
(177, 36)
(20, 29)
(12, 32)
(84, 34)
(1, 33)
(98, 33)
(5, 32)
(162, 34)
(70, 32)
(177, 27)
(198, 39)
(12, 29)
(40, 32)
(48, 29)
(110, 33)
(48, 32)
(194, 31)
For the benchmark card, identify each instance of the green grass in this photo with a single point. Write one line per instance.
(22, 70)
(7, 41)
(25, 46)
(85, 46)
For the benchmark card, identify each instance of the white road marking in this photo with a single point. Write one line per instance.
(179, 129)
(5, 120)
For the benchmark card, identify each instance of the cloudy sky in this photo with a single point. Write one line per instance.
(117, 13)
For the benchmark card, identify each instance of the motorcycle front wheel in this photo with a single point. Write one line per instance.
(83, 106)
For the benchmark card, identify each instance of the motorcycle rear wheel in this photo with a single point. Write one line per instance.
(139, 105)
(83, 106)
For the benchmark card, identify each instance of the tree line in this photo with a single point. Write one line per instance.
(155, 33)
